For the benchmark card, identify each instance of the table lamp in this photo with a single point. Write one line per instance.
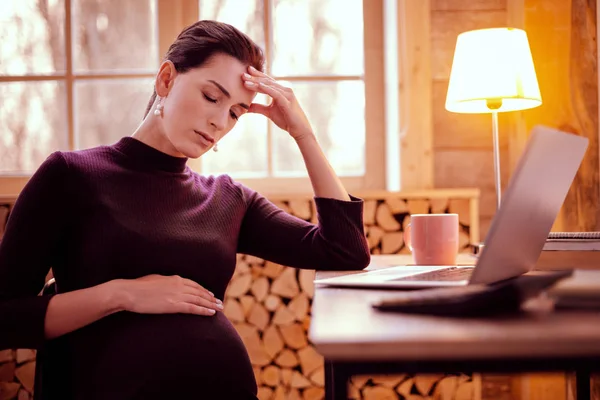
(492, 72)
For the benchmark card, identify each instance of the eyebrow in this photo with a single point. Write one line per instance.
(226, 93)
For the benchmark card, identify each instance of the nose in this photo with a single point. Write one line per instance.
(219, 120)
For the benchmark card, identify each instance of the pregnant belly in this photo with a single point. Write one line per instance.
(182, 353)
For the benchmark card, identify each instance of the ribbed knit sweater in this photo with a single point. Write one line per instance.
(129, 210)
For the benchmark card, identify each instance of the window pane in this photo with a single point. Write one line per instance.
(246, 15)
(318, 37)
(243, 151)
(107, 110)
(114, 35)
(33, 124)
(32, 39)
(336, 111)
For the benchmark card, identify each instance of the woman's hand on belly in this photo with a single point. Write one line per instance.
(159, 294)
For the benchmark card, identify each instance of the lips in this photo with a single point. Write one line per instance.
(205, 136)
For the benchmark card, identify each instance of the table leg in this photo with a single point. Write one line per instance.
(582, 379)
(336, 382)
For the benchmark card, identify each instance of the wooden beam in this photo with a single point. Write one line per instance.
(584, 196)
(518, 131)
(470, 5)
(11, 186)
(449, 193)
(416, 122)
(374, 94)
(173, 16)
(515, 10)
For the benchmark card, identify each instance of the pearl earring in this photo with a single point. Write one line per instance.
(158, 111)
(215, 148)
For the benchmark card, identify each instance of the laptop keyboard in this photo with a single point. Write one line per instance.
(447, 274)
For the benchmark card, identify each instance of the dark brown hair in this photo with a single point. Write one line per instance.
(197, 43)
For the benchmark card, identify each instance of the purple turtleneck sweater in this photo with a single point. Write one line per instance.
(128, 210)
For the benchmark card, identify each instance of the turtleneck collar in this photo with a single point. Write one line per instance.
(148, 157)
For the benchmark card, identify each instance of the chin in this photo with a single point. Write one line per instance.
(192, 150)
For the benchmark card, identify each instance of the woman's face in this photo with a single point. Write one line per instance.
(204, 104)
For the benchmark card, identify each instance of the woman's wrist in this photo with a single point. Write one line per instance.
(115, 296)
(304, 136)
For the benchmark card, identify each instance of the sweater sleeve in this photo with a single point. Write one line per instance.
(337, 242)
(27, 249)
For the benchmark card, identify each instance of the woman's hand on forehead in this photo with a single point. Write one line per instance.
(284, 110)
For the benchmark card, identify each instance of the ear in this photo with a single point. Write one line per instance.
(164, 78)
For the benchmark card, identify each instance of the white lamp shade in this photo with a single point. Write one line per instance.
(492, 71)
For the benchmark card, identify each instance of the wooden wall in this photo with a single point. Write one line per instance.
(462, 143)
(568, 76)
(567, 73)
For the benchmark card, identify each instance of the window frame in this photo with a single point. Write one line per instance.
(12, 184)
(417, 153)
(172, 17)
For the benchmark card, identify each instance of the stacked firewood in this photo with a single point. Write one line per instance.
(269, 304)
(17, 373)
(386, 219)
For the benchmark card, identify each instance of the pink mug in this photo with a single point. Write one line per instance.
(433, 238)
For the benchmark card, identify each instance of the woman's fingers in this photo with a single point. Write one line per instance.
(201, 293)
(259, 109)
(200, 301)
(254, 72)
(284, 111)
(189, 308)
(159, 294)
(192, 288)
(189, 282)
(267, 80)
(191, 304)
(196, 285)
(267, 89)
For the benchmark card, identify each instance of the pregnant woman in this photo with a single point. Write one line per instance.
(142, 248)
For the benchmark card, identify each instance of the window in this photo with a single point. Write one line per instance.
(79, 73)
(66, 79)
(325, 55)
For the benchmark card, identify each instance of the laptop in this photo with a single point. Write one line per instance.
(519, 229)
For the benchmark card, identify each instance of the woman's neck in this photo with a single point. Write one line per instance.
(152, 133)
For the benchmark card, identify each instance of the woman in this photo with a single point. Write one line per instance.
(142, 248)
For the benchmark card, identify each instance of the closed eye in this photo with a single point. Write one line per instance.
(210, 99)
(231, 113)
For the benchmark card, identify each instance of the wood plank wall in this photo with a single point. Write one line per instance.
(462, 143)
(567, 73)
(568, 76)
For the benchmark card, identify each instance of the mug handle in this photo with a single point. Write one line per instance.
(407, 240)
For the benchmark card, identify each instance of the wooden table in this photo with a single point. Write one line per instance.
(356, 339)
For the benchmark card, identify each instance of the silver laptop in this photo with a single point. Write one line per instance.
(519, 230)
